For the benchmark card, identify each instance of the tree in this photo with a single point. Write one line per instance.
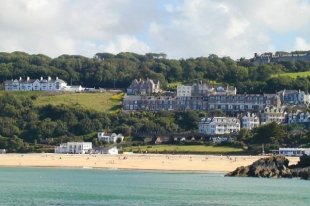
(278, 83)
(8, 127)
(46, 128)
(85, 126)
(271, 133)
(244, 135)
(187, 120)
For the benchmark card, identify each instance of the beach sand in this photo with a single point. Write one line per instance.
(199, 163)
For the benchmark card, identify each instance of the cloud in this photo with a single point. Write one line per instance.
(200, 28)
(301, 44)
(237, 29)
(180, 28)
(279, 16)
(72, 27)
(126, 43)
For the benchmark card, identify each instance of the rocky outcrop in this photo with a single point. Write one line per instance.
(303, 173)
(304, 161)
(276, 167)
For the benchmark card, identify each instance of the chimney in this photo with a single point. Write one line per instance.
(56, 78)
(28, 79)
(48, 78)
(20, 79)
(41, 78)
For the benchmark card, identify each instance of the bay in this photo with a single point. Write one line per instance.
(63, 186)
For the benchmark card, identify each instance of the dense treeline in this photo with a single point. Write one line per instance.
(24, 126)
(274, 135)
(21, 122)
(108, 70)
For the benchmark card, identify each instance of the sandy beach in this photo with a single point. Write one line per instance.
(203, 163)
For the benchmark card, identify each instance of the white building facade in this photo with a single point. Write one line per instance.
(294, 151)
(74, 148)
(219, 125)
(184, 91)
(41, 84)
(106, 150)
(250, 121)
(110, 138)
(273, 115)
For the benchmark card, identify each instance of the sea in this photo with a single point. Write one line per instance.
(86, 186)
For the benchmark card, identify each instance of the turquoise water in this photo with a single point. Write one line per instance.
(54, 186)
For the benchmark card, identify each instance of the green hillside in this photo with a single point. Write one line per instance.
(101, 102)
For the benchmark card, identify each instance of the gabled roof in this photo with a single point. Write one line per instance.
(25, 81)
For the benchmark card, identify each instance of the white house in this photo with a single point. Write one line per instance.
(219, 125)
(294, 151)
(110, 138)
(184, 91)
(74, 148)
(41, 84)
(272, 114)
(250, 121)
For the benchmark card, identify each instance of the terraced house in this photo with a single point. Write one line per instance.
(41, 84)
(229, 103)
(199, 96)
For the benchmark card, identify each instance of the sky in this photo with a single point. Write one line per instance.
(179, 28)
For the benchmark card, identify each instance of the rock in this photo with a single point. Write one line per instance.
(303, 173)
(304, 161)
(275, 166)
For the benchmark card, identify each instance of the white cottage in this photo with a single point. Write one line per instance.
(110, 138)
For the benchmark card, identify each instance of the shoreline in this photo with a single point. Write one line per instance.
(122, 169)
(140, 162)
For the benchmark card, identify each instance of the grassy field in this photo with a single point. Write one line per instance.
(102, 102)
(294, 74)
(184, 149)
